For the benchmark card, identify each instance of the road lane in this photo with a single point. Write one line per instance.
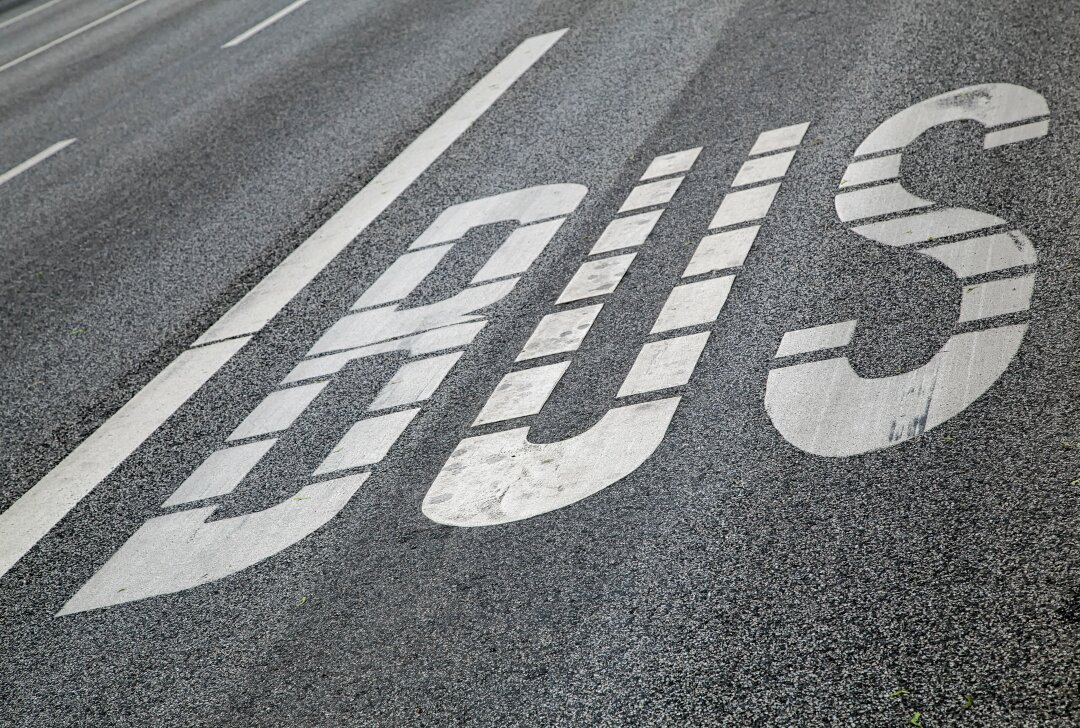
(731, 578)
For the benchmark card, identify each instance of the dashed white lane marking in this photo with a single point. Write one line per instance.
(521, 393)
(560, 332)
(744, 205)
(33, 515)
(367, 442)
(673, 163)
(762, 169)
(68, 36)
(277, 411)
(264, 301)
(415, 381)
(651, 194)
(39, 509)
(723, 250)
(664, 364)
(596, 278)
(36, 159)
(28, 13)
(829, 336)
(693, 304)
(220, 473)
(776, 139)
(265, 24)
(626, 232)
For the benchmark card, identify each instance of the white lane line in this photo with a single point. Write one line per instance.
(68, 36)
(264, 24)
(277, 411)
(560, 332)
(664, 364)
(829, 336)
(651, 194)
(777, 139)
(39, 157)
(596, 278)
(39, 509)
(27, 14)
(31, 517)
(673, 163)
(692, 304)
(722, 250)
(264, 301)
(626, 232)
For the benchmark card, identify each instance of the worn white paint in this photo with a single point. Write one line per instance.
(664, 364)
(626, 232)
(367, 442)
(693, 304)
(721, 251)
(519, 252)
(35, 513)
(596, 278)
(220, 473)
(1017, 134)
(883, 199)
(673, 163)
(502, 477)
(521, 393)
(28, 13)
(402, 277)
(265, 24)
(743, 206)
(271, 294)
(876, 169)
(777, 139)
(651, 194)
(996, 298)
(277, 411)
(987, 254)
(415, 381)
(183, 550)
(927, 226)
(816, 338)
(762, 169)
(35, 160)
(560, 332)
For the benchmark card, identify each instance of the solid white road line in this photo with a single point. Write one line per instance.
(34, 514)
(68, 36)
(263, 302)
(27, 14)
(39, 509)
(264, 24)
(39, 157)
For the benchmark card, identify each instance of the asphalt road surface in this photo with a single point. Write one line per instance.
(539, 363)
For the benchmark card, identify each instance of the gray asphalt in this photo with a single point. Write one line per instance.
(732, 579)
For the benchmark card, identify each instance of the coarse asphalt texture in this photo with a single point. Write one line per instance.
(732, 579)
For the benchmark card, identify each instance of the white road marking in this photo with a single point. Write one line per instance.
(277, 411)
(762, 169)
(33, 515)
(927, 226)
(68, 36)
(502, 477)
(28, 13)
(271, 294)
(519, 252)
(722, 250)
(402, 277)
(626, 232)
(265, 24)
(865, 171)
(744, 205)
(693, 304)
(36, 159)
(996, 298)
(976, 256)
(664, 364)
(876, 201)
(829, 336)
(1017, 134)
(220, 473)
(415, 381)
(596, 278)
(560, 332)
(521, 393)
(39, 509)
(367, 442)
(673, 163)
(651, 194)
(181, 550)
(777, 139)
